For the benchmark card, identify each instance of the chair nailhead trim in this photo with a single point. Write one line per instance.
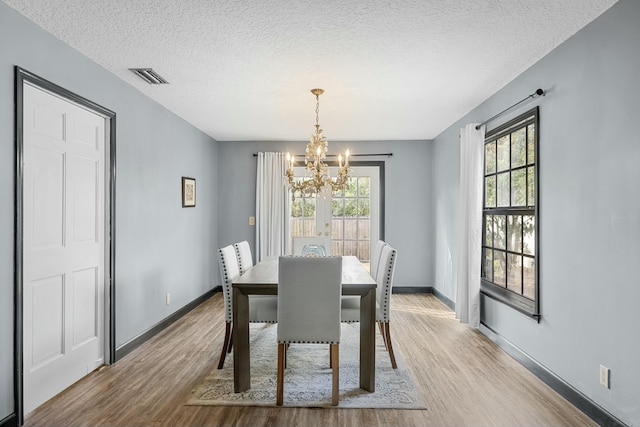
(239, 259)
(226, 285)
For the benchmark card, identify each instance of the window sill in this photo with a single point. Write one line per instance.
(508, 298)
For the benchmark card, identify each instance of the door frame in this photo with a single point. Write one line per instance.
(381, 189)
(23, 77)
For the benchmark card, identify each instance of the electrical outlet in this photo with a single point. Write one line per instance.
(604, 376)
(168, 299)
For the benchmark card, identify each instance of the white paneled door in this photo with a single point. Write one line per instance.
(63, 244)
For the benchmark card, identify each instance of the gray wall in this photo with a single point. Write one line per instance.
(408, 200)
(589, 210)
(160, 246)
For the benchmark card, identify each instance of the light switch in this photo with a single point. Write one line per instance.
(252, 220)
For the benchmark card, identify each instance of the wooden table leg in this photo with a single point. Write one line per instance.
(368, 341)
(241, 356)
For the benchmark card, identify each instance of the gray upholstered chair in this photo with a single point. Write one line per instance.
(375, 258)
(351, 305)
(243, 253)
(309, 290)
(262, 308)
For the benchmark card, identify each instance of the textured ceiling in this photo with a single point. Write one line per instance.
(242, 70)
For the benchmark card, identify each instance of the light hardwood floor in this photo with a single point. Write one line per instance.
(465, 378)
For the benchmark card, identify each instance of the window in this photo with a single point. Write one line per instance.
(510, 204)
(303, 216)
(351, 220)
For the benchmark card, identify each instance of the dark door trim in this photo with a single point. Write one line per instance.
(380, 164)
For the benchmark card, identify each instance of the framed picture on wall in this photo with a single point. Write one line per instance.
(188, 192)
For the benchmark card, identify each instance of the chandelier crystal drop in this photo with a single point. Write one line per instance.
(317, 176)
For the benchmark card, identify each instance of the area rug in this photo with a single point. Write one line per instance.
(307, 379)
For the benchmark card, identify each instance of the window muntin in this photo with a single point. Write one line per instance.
(509, 257)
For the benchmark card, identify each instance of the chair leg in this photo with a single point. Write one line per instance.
(230, 345)
(280, 378)
(225, 345)
(394, 365)
(384, 336)
(335, 378)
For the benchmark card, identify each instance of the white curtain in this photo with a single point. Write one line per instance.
(272, 206)
(470, 224)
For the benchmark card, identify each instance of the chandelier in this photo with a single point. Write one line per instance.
(317, 176)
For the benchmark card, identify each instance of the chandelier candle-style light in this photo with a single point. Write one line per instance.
(317, 176)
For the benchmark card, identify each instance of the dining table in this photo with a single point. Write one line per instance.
(262, 279)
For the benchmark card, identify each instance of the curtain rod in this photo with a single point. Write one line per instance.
(350, 155)
(536, 94)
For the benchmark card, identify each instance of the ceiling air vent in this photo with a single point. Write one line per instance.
(149, 76)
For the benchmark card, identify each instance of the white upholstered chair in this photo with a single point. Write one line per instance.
(351, 305)
(375, 258)
(309, 292)
(262, 308)
(243, 253)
